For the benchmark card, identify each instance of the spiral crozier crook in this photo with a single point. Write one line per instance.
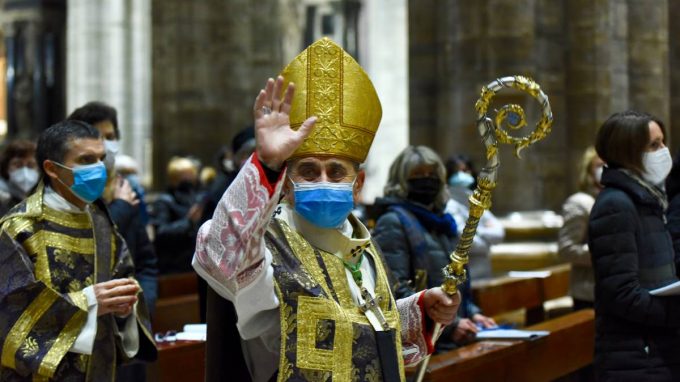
(509, 117)
(493, 132)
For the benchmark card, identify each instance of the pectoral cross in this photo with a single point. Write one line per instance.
(371, 308)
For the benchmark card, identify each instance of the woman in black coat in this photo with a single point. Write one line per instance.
(636, 333)
(416, 236)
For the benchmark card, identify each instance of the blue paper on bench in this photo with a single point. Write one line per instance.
(511, 334)
(669, 290)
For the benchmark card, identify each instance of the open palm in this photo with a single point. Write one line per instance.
(276, 141)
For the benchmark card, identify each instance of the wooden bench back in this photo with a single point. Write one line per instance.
(177, 302)
(177, 284)
(506, 294)
(568, 348)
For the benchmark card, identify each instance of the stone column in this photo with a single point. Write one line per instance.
(597, 73)
(210, 58)
(139, 119)
(34, 47)
(592, 58)
(384, 55)
(469, 44)
(618, 59)
(3, 88)
(648, 57)
(422, 68)
(109, 60)
(674, 59)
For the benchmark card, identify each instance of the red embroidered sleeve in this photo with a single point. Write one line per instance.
(416, 336)
(230, 246)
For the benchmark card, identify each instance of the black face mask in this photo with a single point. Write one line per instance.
(424, 190)
(185, 186)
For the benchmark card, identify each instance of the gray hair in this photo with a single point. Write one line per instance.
(410, 158)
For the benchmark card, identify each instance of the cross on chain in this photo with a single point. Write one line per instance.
(372, 305)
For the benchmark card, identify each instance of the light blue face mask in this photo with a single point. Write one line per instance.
(88, 181)
(461, 179)
(324, 204)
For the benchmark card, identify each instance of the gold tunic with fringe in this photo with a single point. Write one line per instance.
(47, 258)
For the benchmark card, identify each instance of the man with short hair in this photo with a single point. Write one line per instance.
(124, 200)
(70, 305)
(104, 118)
(310, 289)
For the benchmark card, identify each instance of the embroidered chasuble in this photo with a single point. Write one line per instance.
(324, 333)
(298, 307)
(47, 258)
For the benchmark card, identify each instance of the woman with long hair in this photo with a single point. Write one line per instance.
(416, 236)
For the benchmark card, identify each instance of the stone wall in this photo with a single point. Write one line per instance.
(3, 89)
(210, 58)
(592, 57)
(674, 62)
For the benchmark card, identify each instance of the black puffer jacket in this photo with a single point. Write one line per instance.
(175, 232)
(637, 336)
(398, 249)
(129, 225)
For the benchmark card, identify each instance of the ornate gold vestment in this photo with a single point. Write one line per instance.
(47, 258)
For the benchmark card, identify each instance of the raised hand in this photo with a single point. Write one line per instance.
(276, 141)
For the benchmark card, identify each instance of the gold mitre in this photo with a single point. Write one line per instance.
(330, 85)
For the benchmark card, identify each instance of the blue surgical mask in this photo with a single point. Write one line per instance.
(461, 179)
(324, 204)
(88, 181)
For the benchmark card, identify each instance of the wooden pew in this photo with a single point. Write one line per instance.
(178, 362)
(531, 226)
(177, 305)
(177, 302)
(177, 284)
(523, 256)
(568, 348)
(506, 294)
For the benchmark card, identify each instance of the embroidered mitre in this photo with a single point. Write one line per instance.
(330, 85)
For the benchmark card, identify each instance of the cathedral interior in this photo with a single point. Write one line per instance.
(183, 76)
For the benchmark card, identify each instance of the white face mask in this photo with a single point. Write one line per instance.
(112, 148)
(597, 175)
(657, 165)
(25, 178)
(461, 179)
(228, 165)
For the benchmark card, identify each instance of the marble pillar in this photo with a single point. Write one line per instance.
(384, 55)
(34, 77)
(109, 60)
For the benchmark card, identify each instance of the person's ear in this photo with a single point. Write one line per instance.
(287, 191)
(50, 169)
(359, 184)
